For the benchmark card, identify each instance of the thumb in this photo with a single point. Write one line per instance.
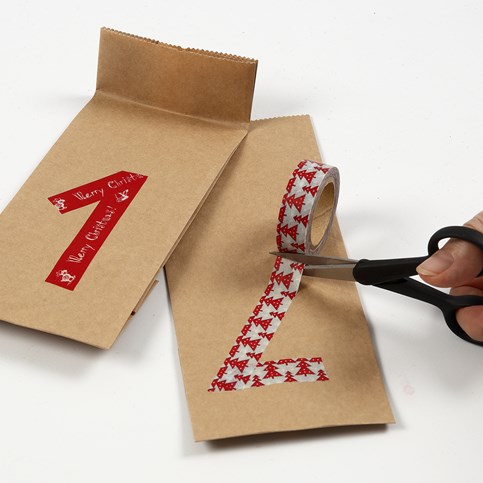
(456, 263)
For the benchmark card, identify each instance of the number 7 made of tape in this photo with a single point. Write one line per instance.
(114, 194)
(243, 368)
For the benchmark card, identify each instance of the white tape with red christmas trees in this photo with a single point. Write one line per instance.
(243, 368)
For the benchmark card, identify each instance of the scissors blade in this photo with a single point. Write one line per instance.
(323, 267)
(314, 259)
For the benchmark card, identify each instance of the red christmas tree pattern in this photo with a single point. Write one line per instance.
(271, 370)
(256, 382)
(289, 377)
(304, 368)
(243, 367)
(322, 376)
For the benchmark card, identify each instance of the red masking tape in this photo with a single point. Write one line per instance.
(113, 194)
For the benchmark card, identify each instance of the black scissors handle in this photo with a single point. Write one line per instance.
(448, 304)
(393, 275)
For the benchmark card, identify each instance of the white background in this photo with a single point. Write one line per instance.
(395, 89)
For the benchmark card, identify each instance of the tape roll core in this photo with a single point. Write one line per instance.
(322, 214)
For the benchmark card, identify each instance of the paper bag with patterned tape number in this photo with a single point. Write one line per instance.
(257, 356)
(81, 242)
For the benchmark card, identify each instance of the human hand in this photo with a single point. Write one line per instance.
(457, 265)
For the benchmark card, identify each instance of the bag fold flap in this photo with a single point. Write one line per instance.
(191, 82)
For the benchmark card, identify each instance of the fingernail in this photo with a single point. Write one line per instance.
(436, 264)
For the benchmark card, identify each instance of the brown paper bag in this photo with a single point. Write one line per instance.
(136, 163)
(216, 276)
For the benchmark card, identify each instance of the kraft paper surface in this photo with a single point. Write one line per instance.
(216, 276)
(173, 116)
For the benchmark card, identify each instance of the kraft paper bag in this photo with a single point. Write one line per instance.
(81, 242)
(216, 276)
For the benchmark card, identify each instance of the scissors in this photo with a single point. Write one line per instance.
(393, 275)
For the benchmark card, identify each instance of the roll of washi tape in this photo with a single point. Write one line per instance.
(304, 222)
